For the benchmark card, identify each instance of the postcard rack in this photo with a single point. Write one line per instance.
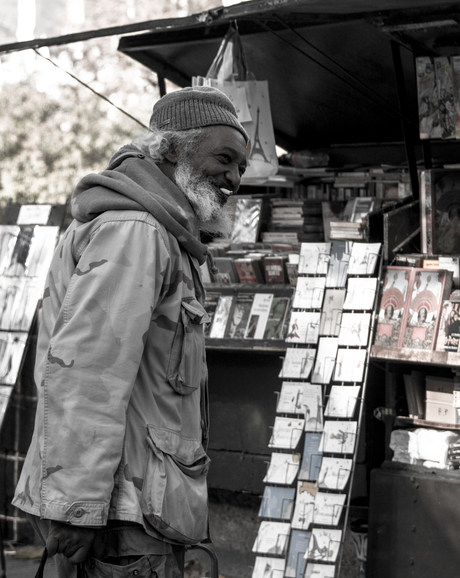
(306, 500)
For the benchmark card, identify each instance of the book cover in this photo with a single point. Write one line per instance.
(319, 571)
(338, 265)
(445, 90)
(427, 291)
(309, 293)
(311, 457)
(282, 469)
(268, 567)
(12, 345)
(456, 82)
(303, 327)
(334, 473)
(325, 360)
(428, 110)
(246, 221)
(258, 316)
(227, 270)
(297, 363)
(350, 365)
(210, 306)
(304, 505)
(275, 269)
(287, 432)
(360, 293)
(221, 316)
(324, 545)
(354, 329)
(449, 327)
(290, 398)
(328, 508)
(394, 296)
(339, 437)
(272, 538)
(363, 258)
(295, 561)
(240, 316)
(342, 401)
(331, 314)
(248, 270)
(314, 258)
(276, 322)
(292, 271)
(312, 404)
(277, 503)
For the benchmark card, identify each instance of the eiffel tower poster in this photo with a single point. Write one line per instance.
(257, 148)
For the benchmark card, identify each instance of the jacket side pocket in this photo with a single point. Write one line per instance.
(174, 497)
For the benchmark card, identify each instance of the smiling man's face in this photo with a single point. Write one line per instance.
(211, 173)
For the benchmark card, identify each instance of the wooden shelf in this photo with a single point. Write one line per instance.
(405, 421)
(416, 356)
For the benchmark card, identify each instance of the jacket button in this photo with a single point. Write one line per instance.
(78, 513)
(141, 156)
(135, 572)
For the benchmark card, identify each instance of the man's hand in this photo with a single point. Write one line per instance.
(72, 541)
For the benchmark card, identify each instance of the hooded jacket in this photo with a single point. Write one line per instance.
(122, 418)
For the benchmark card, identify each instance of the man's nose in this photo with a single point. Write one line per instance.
(234, 177)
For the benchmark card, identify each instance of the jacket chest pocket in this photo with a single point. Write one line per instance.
(185, 366)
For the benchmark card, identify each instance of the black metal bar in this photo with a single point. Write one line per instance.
(406, 127)
(427, 158)
(161, 85)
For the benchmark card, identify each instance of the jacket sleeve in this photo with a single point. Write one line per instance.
(92, 361)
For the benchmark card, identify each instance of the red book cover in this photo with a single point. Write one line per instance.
(274, 268)
(248, 271)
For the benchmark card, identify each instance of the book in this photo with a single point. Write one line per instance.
(456, 83)
(290, 398)
(324, 545)
(292, 271)
(342, 401)
(258, 316)
(286, 433)
(339, 437)
(328, 508)
(428, 110)
(268, 567)
(427, 291)
(312, 405)
(314, 258)
(332, 211)
(295, 561)
(275, 269)
(334, 473)
(319, 571)
(350, 365)
(304, 505)
(338, 265)
(325, 360)
(19, 297)
(360, 293)
(240, 316)
(272, 538)
(363, 258)
(311, 457)
(303, 327)
(331, 314)
(221, 317)
(12, 346)
(282, 469)
(276, 322)
(354, 329)
(445, 90)
(277, 503)
(391, 308)
(246, 220)
(210, 306)
(448, 338)
(227, 270)
(249, 270)
(297, 363)
(309, 293)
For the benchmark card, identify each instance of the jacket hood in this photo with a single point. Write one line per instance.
(141, 186)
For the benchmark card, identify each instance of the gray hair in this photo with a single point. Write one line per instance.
(156, 143)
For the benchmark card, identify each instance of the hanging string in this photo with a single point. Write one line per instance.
(92, 90)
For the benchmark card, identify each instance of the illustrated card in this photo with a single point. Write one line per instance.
(354, 329)
(298, 363)
(314, 258)
(304, 505)
(272, 538)
(350, 365)
(319, 571)
(331, 314)
(334, 473)
(342, 401)
(303, 327)
(338, 265)
(312, 405)
(328, 508)
(286, 433)
(19, 297)
(311, 457)
(282, 469)
(268, 567)
(12, 346)
(5, 394)
(339, 437)
(324, 545)
(363, 258)
(360, 293)
(290, 398)
(309, 293)
(277, 503)
(325, 360)
(295, 561)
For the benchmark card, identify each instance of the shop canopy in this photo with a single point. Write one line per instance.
(339, 71)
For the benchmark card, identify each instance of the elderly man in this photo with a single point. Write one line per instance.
(116, 472)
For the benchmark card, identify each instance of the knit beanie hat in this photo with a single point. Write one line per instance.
(195, 107)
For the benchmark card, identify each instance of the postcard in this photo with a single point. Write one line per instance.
(303, 327)
(5, 394)
(272, 538)
(312, 404)
(325, 360)
(331, 314)
(334, 473)
(33, 214)
(290, 398)
(19, 297)
(311, 457)
(297, 363)
(360, 293)
(268, 567)
(277, 503)
(339, 437)
(363, 258)
(350, 365)
(338, 265)
(354, 329)
(12, 346)
(314, 258)
(282, 469)
(342, 401)
(286, 433)
(320, 570)
(304, 505)
(328, 508)
(32, 257)
(309, 293)
(295, 561)
(324, 545)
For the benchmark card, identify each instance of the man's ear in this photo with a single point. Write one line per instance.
(171, 155)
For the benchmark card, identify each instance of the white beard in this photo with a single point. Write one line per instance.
(206, 199)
